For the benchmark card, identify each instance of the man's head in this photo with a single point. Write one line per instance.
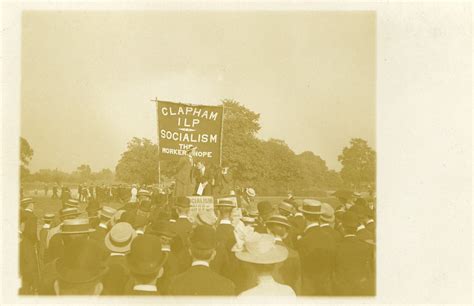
(27, 204)
(286, 208)
(350, 222)
(146, 259)
(203, 243)
(311, 210)
(68, 213)
(224, 208)
(75, 229)
(327, 214)
(164, 230)
(183, 205)
(278, 225)
(80, 269)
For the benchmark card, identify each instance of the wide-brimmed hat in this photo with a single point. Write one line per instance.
(327, 213)
(145, 257)
(183, 202)
(83, 262)
(280, 220)
(76, 226)
(250, 192)
(203, 237)
(120, 237)
(69, 211)
(262, 249)
(206, 217)
(72, 203)
(311, 207)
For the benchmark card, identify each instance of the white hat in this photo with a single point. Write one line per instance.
(250, 192)
(261, 249)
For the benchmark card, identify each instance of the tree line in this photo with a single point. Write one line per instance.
(269, 166)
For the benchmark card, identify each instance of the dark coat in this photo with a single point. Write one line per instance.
(29, 266)
(336, 234)
(352, 268)
(116, 277)
(289, 271)
(183, 228)
(316, 249)
(184, 177)
(201, 281)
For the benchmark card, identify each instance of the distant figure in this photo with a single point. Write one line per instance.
(65, 195)
(55, 192)
(46, 189)
(184, 186)
(203, 180)
(224, 183)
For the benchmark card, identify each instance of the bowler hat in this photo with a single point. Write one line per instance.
(145, 257)
(183, 202)
(311, 207)
(83, 262)
(327, 212)
(264, 208)
(279, 219)
(350, 219)
(203, 237)
(262, 249)
(163, 228)
(120, 237)
(76, 226)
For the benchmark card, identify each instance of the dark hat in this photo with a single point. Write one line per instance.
(145, 257)
(311, 207)
(163, 228)
(69, 211)
(278, 219)
(203, 237)
(206, 217)
(25, 202)
(145, 205)
(83, 262)
(264, 208)
(225, 203)
(72, 203)
(76, 226)
(361, 202)
(183, 202)
(350, 219)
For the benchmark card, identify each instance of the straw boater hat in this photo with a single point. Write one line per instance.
(48, 217)
(24, 203)
(279, 220)
(206, 217)
(287, 206)
(327, 213)
(120, 237)
(250, 192)
(72, 203)
(69, 211)
(311, 207)
(107, 212)
(76, 226)
(225, 203)
(261, 249)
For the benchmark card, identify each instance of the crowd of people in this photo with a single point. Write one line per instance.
(153, 245)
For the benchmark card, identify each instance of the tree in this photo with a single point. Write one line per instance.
(139, 163)
(84, 173)
(358, 163)
(26, 154)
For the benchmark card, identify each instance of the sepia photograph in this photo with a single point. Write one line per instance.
(230, 154)
(203, 153)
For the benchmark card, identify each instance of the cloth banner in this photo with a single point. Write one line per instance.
(199, 203)
(183, 125)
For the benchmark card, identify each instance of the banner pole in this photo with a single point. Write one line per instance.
(222, 136)
(158, 140)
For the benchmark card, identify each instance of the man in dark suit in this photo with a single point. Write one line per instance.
(316, 249)
(203, 178)
(183, 176)
(145, 261)
(327, 221)
(353, 261)
(200, 280)
(182, 226)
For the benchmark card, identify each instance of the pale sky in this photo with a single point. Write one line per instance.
(88, 77)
